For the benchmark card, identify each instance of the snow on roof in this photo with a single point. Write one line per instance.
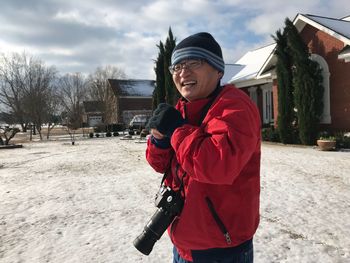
(337, 28)
(230, 70)
(347, 18)
(340, 26)
(252, 62)
(132, 87)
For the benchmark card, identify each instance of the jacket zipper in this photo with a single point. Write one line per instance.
(218, 221)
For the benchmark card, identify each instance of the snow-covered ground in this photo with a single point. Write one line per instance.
(86, 203)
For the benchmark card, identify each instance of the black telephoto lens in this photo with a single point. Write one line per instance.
(145, 242)
(154, 229)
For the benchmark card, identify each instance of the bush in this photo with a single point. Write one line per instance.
(270, 134)
(342, 140)
(97, 135)
(115, 134)
(91, 134)
(114, 127)
(131, 132)
(100, 128)
(108, 134)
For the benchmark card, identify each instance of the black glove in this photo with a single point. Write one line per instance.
(165, 119)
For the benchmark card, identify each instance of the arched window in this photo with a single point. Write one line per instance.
(326, 115)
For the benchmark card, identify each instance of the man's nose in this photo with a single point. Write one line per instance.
(184, 70)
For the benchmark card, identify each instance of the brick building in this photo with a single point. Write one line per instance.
(133, 97)
(93, 113)
(328, 40)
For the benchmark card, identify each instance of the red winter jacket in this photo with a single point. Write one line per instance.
(220, 163)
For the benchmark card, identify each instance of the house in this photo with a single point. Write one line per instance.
(133, 97)
(230, 70)
(93, 113)
(328, 40)
(259, 88)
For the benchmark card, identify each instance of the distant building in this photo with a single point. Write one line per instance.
(328, 40)
(133, 97)
(93, 113)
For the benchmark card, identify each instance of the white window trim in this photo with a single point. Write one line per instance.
(267, 104)
(326, 115)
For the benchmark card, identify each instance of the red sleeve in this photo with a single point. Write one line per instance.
(158, 158)
(217, 151)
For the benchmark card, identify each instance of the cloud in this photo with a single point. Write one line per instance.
(78, 36)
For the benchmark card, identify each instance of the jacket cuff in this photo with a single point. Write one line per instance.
(161, 143)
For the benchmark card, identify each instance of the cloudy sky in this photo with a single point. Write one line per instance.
(80, 35)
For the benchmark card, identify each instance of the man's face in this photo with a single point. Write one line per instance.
(196, 83)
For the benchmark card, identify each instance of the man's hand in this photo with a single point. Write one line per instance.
(165, 120)
(156, 134)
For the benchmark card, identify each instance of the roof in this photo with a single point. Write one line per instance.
(338, 28)
(230, 70)
(132, 87)
(251, 63)
(347, 18)
(93, 106)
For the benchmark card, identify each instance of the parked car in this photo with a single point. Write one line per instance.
(138, 122)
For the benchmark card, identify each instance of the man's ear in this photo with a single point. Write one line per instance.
(220, 74)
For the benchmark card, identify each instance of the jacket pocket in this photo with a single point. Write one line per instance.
(217, 220)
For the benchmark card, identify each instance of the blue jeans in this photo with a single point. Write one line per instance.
(220, 255)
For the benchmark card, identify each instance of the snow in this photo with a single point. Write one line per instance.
(88, 202)
(230, 70)
(253, 61)
(340, 26)
(137, 87)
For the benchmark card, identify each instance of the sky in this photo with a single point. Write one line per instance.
(81, 35)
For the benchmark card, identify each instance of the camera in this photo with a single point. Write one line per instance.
(169, 204)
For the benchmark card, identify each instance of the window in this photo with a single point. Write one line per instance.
(326, 115)
(267, 103)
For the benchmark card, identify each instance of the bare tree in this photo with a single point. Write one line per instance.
(72, 94)
(52, 117)
(39, 92)
(6, 134)
(99, 90)
(12, 75)
(27, 87)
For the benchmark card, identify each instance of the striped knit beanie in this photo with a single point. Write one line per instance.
(201, 45)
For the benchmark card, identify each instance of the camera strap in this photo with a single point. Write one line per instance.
(206, 108)
(165, 175)
(181, 187)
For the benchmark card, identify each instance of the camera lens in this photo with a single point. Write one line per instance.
(145, 242)
(154, 229)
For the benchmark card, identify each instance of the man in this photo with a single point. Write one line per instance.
(209, 148)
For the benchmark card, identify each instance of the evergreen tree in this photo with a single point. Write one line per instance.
(170, 88)
(286, 114)
(165, 90)
(159, 91)
(308, 89)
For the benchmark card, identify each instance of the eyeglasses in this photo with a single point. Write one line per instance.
(188, 64)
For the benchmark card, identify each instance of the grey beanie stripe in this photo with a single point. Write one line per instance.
(197, 52)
